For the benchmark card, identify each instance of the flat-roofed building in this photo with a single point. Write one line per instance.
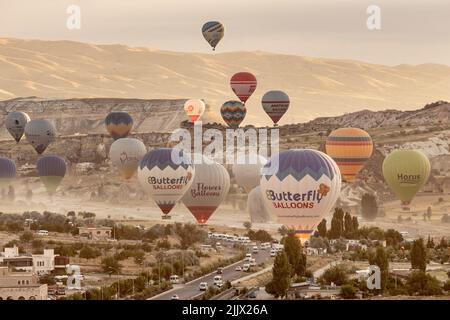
(96, 233)
(21, 285)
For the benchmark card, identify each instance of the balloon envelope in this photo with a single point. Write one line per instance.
(15, 124)
(118, 124)
(405, 172)
(7, 171)
(243, 85)
(233, 113)
(213, 32)
(300, 187)
(275, 103)
(209, 188)
(51, 169)
(350, 148)
(256, 207)
(194, 109)
(248, 175)
(165, 178)
(40, 133)
(125, 154)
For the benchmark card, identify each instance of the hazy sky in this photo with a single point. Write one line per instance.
(412, 31)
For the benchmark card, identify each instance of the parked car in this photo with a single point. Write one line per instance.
(203, 286)
(175, 297)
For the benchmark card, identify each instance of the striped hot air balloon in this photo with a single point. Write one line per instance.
(233, 113)
(7, 171)
(209, 188)
(275, 104)
(51, 170)
(118, 124)
(15, 124)
(300, 187)
(166, 174)
(213, 32)
(350, 148)
(243, 85)
(40, 133)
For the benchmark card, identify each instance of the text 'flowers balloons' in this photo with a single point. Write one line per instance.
(213, 32)
(405, 172)
(243, 85)
(194, 109)
(40, 133)
(275, 103)
(51, 170)
(350, 148)
(163, 178)
(300, 187)
(207, 191)
(118, 124)
(15, 124)
(125, 154)
(233, 113)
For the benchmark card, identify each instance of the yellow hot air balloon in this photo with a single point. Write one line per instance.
(350, 148)
(406, 171)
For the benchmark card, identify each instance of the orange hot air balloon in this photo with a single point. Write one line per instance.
(194, 109)
(350, 148)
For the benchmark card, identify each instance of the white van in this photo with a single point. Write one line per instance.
(252, 262)
(248, 256)
(246, 267)
(42, 233)
(217, 279)
(255, 250)
(174, 279)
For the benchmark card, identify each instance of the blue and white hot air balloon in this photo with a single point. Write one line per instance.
(300, 187)
(166, 174)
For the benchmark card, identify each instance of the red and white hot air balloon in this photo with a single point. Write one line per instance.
(194, 109)
(243, 85)
(275, 103)
(208, 189)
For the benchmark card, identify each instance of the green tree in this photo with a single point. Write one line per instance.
(247, 225)
(88, 252)
(355, 224)
(335, 274)
(348, 291)
(348, 225)
(381, 260)
(27, 236)
(418, 255)
(423, 284)
(337, 224)
(281, 276)
(110, 265)
(294, 252)
(322, 228)
(369, 206)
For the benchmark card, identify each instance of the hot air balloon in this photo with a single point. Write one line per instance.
(15, 124)
(207, 191)
(7, 171)
(350, 148)
(256, 207)
(51, 169)
(166, 179)
(194, 109)
(275, 104)
(213, 32)
(248, 175)
(243, 85)
(40, 133)
(125, 154)
(300, 187)
(118, 124)
(405, 172)
(233, 113)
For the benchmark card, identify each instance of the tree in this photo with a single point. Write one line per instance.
(369, 206)
(247, 225)
(355, 224)
(281, 276)
(423, 284)
(337, 224)
(88, 252)
(380, 259)
(418, 255)
(322, 228)
(27, 236)
(429, 213)
(393, 237)
(348, 291)
(294, 252)
(111, 266)
(348, 225)
(283, 231)
(430, 243)
(335, 274)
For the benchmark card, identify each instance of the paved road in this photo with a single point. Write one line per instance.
(190, 289)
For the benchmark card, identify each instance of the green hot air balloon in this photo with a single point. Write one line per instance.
(406, 171)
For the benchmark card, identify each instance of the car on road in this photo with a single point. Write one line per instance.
(219, 284)
(273, 252)
(238, 268)
(252, 262)
(252, 294)
(217, 279)
(203, 286)
(174, 279)
(248, 256)
(246, 267)
(219, 270)
(255, 250)
(175, 297)
(265, 246)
